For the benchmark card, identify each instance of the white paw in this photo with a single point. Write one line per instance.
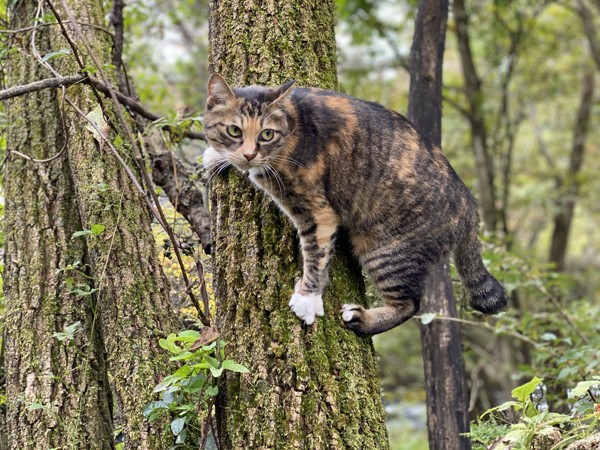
(306, 307)
(349, 311)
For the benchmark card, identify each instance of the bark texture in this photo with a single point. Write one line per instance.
(132, 290)
(447, 405)
(57, 391)
(131, 299)
(308, 387)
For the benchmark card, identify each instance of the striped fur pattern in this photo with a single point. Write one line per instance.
(330, 160)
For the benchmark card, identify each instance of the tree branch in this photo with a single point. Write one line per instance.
(68, 80)
(56, 82)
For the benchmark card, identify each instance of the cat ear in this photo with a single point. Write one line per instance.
(218, 91)
(283, 91)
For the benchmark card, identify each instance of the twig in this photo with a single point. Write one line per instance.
(486, 326)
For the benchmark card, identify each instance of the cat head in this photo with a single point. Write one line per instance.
(246, 127)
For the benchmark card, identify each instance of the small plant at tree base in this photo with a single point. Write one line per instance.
(188, 394)
(535, 427)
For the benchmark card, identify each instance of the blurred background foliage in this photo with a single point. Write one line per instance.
(530, 58)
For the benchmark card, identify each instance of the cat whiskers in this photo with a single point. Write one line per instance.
(216, 168)
(271, 171)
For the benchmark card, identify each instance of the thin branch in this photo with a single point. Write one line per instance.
(55, 82)
(42, 25)
(60, 81)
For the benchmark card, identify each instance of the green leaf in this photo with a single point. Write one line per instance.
(81, 233)
(183, 355)
(151, 407)
(548, 337)
(523, 392)
(212, 391)
(177, 426)
(181, 437)
(427, 318)
(169, 344)
(212, 361)
(582, 388)
(188, 335)
(97, 229)
(216, 372)
(503, 407)
(228, 364)
(52, 55)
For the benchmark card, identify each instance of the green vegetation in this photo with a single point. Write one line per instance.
(533, 370)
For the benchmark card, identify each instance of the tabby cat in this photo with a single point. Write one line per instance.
(331, 160)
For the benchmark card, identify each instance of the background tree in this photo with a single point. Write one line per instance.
(309, 387)
(111, 267)
(447, 415)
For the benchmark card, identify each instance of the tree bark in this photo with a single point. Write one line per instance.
(57, 390)
(129, 308)
(569, 184)
(483, 159)
(308, 387)
(447, 403)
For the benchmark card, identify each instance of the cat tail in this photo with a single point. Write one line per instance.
(487, 294)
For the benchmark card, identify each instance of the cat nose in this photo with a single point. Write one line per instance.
(249, 156)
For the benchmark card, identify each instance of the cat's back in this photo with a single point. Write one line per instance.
(330, 111)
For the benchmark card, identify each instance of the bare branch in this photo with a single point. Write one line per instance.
(68, 80)
(55, 82)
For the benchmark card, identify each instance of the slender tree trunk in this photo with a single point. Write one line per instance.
(57, 390)
(569, 184)
(129, 303)
(309, 387)
(445, 377)
(483, 159)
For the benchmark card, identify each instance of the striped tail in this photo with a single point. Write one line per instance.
(487, 294)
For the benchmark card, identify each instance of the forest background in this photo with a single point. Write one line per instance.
(519, 126)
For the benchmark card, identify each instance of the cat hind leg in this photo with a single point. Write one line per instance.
(399, 278)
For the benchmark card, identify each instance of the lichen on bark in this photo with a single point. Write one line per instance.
(129, 311)
(308, 387)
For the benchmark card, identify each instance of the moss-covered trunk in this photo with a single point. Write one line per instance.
(309, 387)
(57, 390)
(131, 293)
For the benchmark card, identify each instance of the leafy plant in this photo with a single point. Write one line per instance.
(535, 423)
(188, 394)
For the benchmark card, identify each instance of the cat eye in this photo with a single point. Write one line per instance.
(266, 134)
(234, 131)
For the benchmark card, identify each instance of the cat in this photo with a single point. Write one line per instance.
(330, 160)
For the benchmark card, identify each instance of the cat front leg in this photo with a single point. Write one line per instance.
(317, 237)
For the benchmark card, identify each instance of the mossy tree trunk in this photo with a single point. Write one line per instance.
(308, 387)
(128, 311)
(57, 390)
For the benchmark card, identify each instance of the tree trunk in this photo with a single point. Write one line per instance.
(57, 390)
(309, 387)
(483, 159)
(131, 292)
(569, 184)
(445, 377)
